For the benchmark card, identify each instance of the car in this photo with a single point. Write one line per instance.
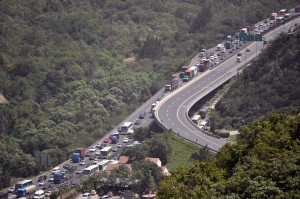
(88, 154)
(119, 129)
(86, 196)
(115, 149)
(247, 50)
(241, 43)
(42, 178)
(51, 178)
(48, 193)
(219, 54)
(96, 161)
(78, 171)
(137, 122)
(11, 189)
(237, 47)
(197, 64)
(66, 166)
(230, 51)
(82, 162)
(239, 54)
(55, 169)
(126, 140)
(142, 115)
(106, 140)
(92, 157)
(129, 145)
(97, 153)
(104, 197)
(119, 145)
(92, 149)
(41, 183)
(216, 62)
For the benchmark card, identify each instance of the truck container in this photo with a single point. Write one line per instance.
(24, 192)
(189, 73)
(81, 151)
(203, 112)
(58, 177)
(114, 139)
(194, 70)
(202, 67)
(75, 157)
(182, 71)
(171, 85)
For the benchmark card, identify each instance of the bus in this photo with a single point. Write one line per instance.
(126, 127)
(23, 184)
(106, 152)
(196, 119)
(90, 170)
(103, 164)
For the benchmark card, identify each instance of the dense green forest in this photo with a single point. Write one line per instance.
(63, 73)
(263, 164)
(270, 84)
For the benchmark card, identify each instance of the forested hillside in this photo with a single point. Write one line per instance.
(263, 164)
(63, 73)
(270, 84)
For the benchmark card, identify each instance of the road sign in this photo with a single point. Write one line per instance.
(250, 37)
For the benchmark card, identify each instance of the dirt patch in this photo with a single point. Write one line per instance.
(129, 59)
(2, 99)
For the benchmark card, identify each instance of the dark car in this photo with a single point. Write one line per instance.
(137, 122)
(142, 116)
(239, 54)
(92, 157)
(88, 154)
(119, 129)
(42, 178)
(66, 166)
(247, 50)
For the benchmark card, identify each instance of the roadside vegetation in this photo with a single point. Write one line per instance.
(269, 85)
(62, 68)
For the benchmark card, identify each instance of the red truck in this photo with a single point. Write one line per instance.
(171, 85)
(203, 67)
(81, 151)
(189, 73)
(182, 71)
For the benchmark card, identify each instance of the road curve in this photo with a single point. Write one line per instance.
(172, 111)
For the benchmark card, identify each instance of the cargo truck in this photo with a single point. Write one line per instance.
(24, 192)
(171, 85)
(194, 70)
(186, 78)
(189, 73)
(114, 139)
(203, 67)
(228, 44)
(81, 151)
(182, 71)
(273, 16)
(75, 157)
(58, 177)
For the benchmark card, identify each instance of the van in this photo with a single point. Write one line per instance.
(39, 194)
(238, 59)
(55, 169)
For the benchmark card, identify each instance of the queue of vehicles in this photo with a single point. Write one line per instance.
(27, 187)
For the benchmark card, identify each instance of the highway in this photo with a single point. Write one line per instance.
(172, 111)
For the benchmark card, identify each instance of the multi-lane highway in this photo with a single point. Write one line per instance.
(172, 111)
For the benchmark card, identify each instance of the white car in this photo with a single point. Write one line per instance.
(119, 145)
(86, 196)
(216, 62)
(197, 64)
(92, 150)
(41, 183)
(125, 140)
(82, 162)
(51, 178)
(78, 171)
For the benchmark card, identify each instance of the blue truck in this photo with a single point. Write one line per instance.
(203, 112)
(58, 177)
(114, 139)
(75, 157)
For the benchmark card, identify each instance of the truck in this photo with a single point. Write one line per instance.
(58, 177)
(228, 44)
(117, 134)
(250, 27)
(152, 107)
(114, 139)
(273, 16)
(188, 73)
(182, 71)
(24, 192)
(186, 78)
(219, 47)
(194, 70)
(171, 85)
(203, 112)
(75, 157)
(203, 67)
(244, 31)
(81, 151)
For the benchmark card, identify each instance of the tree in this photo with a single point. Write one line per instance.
(135, 153)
